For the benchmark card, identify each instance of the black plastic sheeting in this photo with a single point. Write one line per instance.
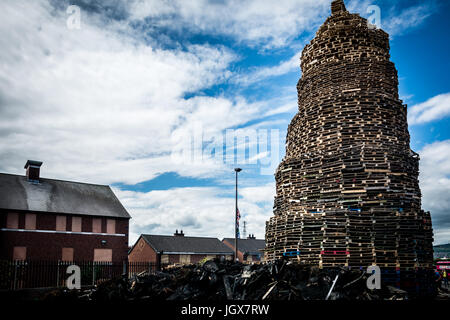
(224, 280)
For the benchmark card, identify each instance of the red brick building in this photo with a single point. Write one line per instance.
(249, 250)
(47, 219)
(177, 249)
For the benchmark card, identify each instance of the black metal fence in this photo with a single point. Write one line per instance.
(39, 274)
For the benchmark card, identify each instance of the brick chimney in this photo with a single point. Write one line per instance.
(33, 169)
(251, 236)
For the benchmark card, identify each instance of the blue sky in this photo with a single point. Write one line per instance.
(111, 102)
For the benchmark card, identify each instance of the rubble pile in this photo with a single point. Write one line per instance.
(347, 191)
(218, 281)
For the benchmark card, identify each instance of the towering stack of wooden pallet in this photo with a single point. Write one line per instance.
(347, 190)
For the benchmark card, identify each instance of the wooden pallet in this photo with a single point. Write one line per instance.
(349, 180)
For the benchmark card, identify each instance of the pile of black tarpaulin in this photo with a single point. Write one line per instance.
(225, 280)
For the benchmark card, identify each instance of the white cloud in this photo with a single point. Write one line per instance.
(435, 186)
(74, 98)
(394, 21)
(435, 108)
(398, 23)
(201, 211)
(254, 21)
(263, 22)
(285, 108)
(262, 73)
(264, 193)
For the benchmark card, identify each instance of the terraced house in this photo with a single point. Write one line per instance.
(48, 219)
(177, 249)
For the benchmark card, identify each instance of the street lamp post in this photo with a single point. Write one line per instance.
(236, 218)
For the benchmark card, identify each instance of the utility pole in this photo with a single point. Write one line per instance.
(236, 228)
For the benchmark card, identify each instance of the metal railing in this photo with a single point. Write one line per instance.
(40, 274)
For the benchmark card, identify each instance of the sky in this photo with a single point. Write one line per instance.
(148, 97)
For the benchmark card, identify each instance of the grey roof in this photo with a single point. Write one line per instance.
(249, 246)
(58, 196)
(179, 244)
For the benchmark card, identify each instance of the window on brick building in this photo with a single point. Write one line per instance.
(185, 258)
(12, 220)
(30, 221)
(104, 255)
(111, 226)
(60, 223)
(96, 225)
(19, 253)
(76, 224)
(67, 254)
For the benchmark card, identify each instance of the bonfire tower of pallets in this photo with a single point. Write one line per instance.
(347, 191)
